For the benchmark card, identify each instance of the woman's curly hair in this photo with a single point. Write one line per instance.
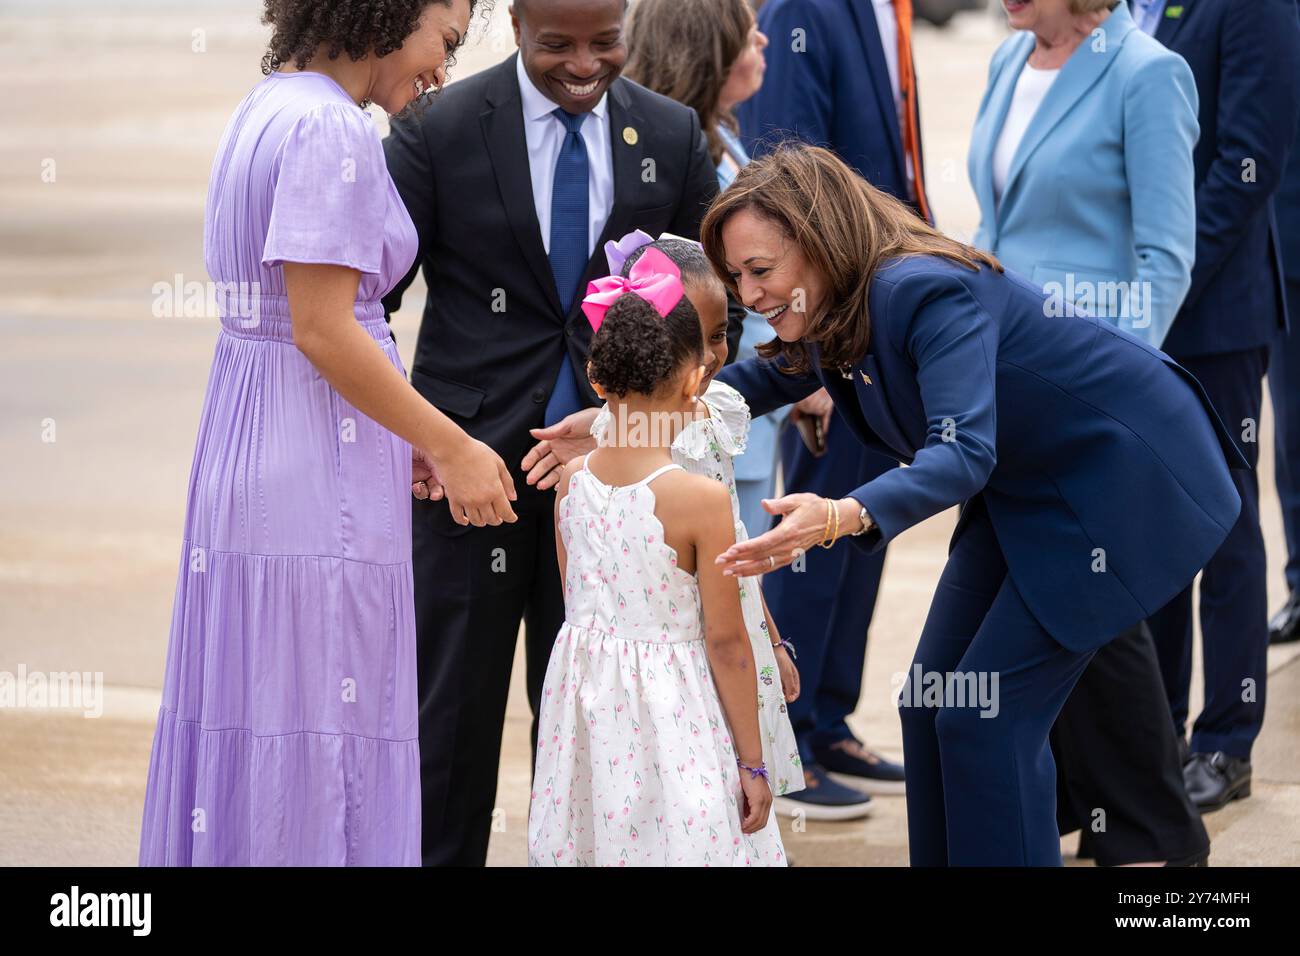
(354, 27)
(637, 351)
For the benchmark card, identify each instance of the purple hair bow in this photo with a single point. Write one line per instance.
(617, 253)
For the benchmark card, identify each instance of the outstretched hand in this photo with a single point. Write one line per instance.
(803, 526)
(557, 445)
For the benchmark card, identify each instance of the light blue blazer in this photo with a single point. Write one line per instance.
(1100, 204)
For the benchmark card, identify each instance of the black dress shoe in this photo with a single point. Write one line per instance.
(1284, 628)
(1215, 780)
(1200, 859)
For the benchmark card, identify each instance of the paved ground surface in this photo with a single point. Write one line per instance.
(107, 130)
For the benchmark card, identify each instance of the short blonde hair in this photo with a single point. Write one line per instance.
(1080, 7)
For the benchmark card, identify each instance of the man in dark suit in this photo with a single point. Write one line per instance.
(515, 179)
(1284, 386)
(1242, 55)
(838, 75)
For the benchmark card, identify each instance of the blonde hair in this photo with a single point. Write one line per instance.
(1080, 7)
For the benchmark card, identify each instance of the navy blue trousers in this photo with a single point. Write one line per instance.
(1234, 587)
(826, 608)
(1284, 387)
(981, 781)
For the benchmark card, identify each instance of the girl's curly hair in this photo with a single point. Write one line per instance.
(637, 351)
(354, 27)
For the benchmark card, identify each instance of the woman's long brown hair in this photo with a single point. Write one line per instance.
(683, 49)
(844, 227)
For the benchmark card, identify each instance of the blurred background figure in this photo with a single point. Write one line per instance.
(1081, 159)
(1243, 57)
(708, 54)
(840, 75)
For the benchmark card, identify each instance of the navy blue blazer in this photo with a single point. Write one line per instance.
(1102, 462)
(1243, 56)
(827, 84)
(1287, 202)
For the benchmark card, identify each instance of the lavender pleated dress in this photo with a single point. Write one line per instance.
(288, 728)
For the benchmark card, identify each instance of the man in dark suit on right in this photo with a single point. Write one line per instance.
(1284, 387)
(1242, 54)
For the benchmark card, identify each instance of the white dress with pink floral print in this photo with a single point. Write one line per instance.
(706, 446)
(635, 763)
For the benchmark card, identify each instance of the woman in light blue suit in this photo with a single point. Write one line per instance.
(1031, 421)
(1081, 159)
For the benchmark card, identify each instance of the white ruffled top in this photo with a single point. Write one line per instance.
(707, 445)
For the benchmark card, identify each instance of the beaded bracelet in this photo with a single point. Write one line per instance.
(754, 772)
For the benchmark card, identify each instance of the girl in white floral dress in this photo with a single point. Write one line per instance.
(706, 446)
(649, 751)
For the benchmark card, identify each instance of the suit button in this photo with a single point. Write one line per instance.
(539, 395)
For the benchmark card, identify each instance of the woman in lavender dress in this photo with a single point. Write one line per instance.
(288, 728)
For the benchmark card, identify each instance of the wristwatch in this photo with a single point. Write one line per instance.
(866, 522)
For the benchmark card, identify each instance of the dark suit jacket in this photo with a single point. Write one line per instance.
(1287, 203)
(1078, 436)
(1242, 53)
(493, 332)
(835, 93)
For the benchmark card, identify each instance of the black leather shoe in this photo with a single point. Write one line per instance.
(1200, 859)
(1215, 780)
(1284, 628)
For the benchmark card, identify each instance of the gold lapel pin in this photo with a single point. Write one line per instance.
(866, 379)
(629, 135)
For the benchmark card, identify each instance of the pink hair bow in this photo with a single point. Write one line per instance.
(654, 278)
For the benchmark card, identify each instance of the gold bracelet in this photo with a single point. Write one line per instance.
(827, 540)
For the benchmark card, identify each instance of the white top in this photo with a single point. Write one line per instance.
(1031, 86)
(543, 134)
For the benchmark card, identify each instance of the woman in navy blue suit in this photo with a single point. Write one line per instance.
(1091, 470)
(1081, 159)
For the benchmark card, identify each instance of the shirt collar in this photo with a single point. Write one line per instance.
(538, 106)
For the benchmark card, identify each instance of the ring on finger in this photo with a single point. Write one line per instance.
(771, 562)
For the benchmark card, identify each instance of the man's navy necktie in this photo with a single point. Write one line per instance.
(569, 251)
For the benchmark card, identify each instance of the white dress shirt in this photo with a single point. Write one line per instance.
(1031, 87)
(543, 134)
(887, 22)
